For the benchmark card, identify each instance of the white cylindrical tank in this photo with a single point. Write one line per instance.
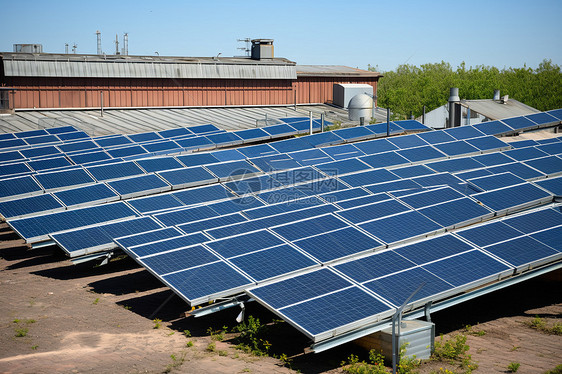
(360, 105)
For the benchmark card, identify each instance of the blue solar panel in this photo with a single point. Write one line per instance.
(78, 146)
(523, 143)
(433, 249)
(44, 139)
(253, 135)
(257, 150)
(130, 151)
(426, 198)
(233, 169)
(553, 185)
(520, 123)
(519, 169)
(275, 162)
(93, 239)
(310, 157)
(411, 125)
(272, 262)
(364, 200)
(419, 154)
(12, 156)
(398, 287)
(473, 174)
(407, 141)
(354, 133)
(113, 141)
(19, 186)
(185, 258)
(302, 125)
(550, 237)
(455, 165)
(163, 147)
(280, 130)
(463, 132)
(344, 151)
(197, 159)
(536, 221)
(402, 184)
(435, 137)
(113, 171)
(73, 136)
(384, 128)
(372, 211)
(250, 185)
(492, 182)
(90, 157)
(368, 177)
(309, 227)
(384, 159)
(226, 138)
(453, 213)
(203, 129)
(456, 148)
(174, 132)
(147, 237)
(159, 164)
(14, 169)
(36, 228)
(522, 154)
(61, 130)
(210, 223)
(291, 145)
(375, 146)
(487, 143)
(374, 266)
(203, 283)
(188, 177)
(180, 216)
(164, 244)
(196, 143)
(350, 193)
(228, 155)
(235, 204)
(339, 244)
(513, 196)
(491, 233)
(29, 205)
(556, 113)
(31, 133)
(12, 143)
(341, 167)
(492, 159)
(547, 165)
(493, 128)
(551, 149)
(466, 268)
(144, 184)
(300, 175)
(49, 163)
(144, 137)
(98, 192)
(347, 306)
(5, 136)
(38, 151)
(65, 178)
(401, 226)
(437, 180)
(323, 139)
(284, 195)
(521, 251)
(155, 203)
(549, 140)
(412, 171)
(245, 243)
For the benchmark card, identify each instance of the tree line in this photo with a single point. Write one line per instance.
(408, 88)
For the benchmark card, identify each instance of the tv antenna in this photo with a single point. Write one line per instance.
(246, 49)
(74, 46)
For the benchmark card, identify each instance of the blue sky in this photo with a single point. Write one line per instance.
(352, 33)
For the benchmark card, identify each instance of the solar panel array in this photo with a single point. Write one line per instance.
(302, 226)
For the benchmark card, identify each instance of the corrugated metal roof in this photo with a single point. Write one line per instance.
(126, 69)
(333, 70)
(497, 110)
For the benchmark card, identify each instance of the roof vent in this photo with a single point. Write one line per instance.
(496, 95)
(505, 99)
(262, 49)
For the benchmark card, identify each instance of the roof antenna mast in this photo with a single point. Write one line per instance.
(246, 49)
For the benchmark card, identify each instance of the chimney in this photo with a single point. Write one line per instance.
(454, 108)
(496, 95)
(262, 49)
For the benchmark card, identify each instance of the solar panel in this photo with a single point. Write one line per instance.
(19, 186)
(300, 175)
(374, 266)
(155, 203)
(384, 128)
(66, 178)
(457, 148)
(291, 145)
(170, 133)
(166, 146)
(257, 150)
(29, 205)
(354, 134)
(550, 237)
(490, 233)
(89, 157)
(463, 132)
(203, 129)
(188, 177)
(556, 113)
(11, 157)
(412, 171)
(411, 125)
(12, 143)
(92, 194)
(473, 174)
(349, 193)
(113, 141)
(522, 251)
(437, 180)
(49, 163)
(44, 139)
(114, 171)
(283, 195)
(343, 151)
(232, 170)
(99, 238)
(60, 129)
(456, 213)
(551, 149)
(37, 151)
(553, 185)
(513, 197)
(250, 185)
(433, 249)
(228, 155)
(520, 123)
(372, 211)
(179, 216)
(35, 229)
(550, 165)
(204, 283)
(492, 182)
(180, 259)
(196, 143)
(535, 221)
(519, 169)
(138, 186)
(212, 222)
(420, 154)
(126, 242)
(397, 287)
(16, 169)
(493, 128)
(401, 184)
(78, 146)
(245, 243)
(543, 119)
(368, 177)
(435, 137)
(130, 151)
(423, 199)
(197, 159)
(235, 204)
(144, 137)
(341, 167)
(175, 241)
(280, 130)
(402, 226)
(272, 262)
(275, 162)
(455, 165)
(385, 159)
(310, 157)
(375, 146)
(363, 200)
(309, 227)
(75, 135)
(5, 136)
(159, 164)
(466, 268)
(321, 186)
(224, 139)
(302, 125)
(407, 141)
(488, 143)
(253, 135)
(522, 154)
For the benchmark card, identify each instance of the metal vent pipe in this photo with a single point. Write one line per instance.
(454, 110)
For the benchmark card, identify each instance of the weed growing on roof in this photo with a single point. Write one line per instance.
(513, 367)
(541, 324)
(223, 353)
(187, 333)
(251, 337)
(157, 323)
(406, 365)
(96, 301)
(176, 362)
(34, 347)
(556, 370)
(21, 332)
(217, 334)
(212, 347)
(454, 351)
(471, 331)
(189, 344)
